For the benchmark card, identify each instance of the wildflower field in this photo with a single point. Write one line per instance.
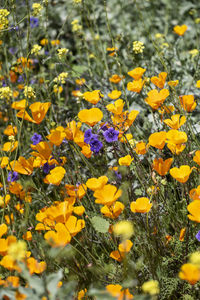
(100, 149)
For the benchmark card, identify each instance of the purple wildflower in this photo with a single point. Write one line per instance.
(95, 145)
(34, 22)
(12, 176)
(111, 135)
(88, 135)
(36, 138)
(47, 168)
(198, 236)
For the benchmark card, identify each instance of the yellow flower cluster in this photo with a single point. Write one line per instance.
(37, 7)
(5, 92)
(62, 52)
(29, 92)
(61, 78)
(36, 49)
(76, 26)
(3, 18)
(77, 1)
(138, 47)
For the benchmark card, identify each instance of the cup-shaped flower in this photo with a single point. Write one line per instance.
(107, 195)
(194, 210)
(126, 160)
(135, 85)
(58, 238)
(93, 97)
(160, 80)
(181, 174)
(96, 183)
(188, 103)
(117, 107)
(116, 290)
(180, 29)
(196, 158)
(136, 73)
(114, 94)
(195, 193)
(55, 176)
(190, 273)
(142, 205)
(157, 139)
(175, 122)
(90, 116)
(123, 248)
(155, 98)
(113, 211)
(162, 166)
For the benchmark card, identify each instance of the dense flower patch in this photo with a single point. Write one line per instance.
(100, 151)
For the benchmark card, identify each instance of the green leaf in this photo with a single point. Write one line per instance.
(52, 282)
(79, 69)
(100, 224)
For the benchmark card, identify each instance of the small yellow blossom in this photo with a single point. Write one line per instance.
(197, 20)
(5, 92)
(159, 35)
(61, 78)
(17, 250)
(3, 18)
(29, 92)
(151, 287)
(62, 52)
(76, 26)
(37, 7)
(77, 1)
(194, 52)
(195, 258)
(138, 47)
(124, 229)
(36, 49)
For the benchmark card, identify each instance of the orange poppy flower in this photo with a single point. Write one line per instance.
(190, 273)
(34, 266)
(125, 161)
(93, 97)
(142, 205)
(140, 148)
(115, 78)
(115, 94)
(195, 193)
(117, 107)
(58, 238)
(90, 116)
(135, 85)
(123, 248)
(196, 158)
(175, 122)
(160, 80)
(116, 290)
(55, 176)
(181, 174)
(38, 110)
(173, 82)
(19, 105)
(57, 135)
(155, 98)
(10, 130)
(194, 210)
(22, 165)
(96, 183)
(137, 73)
(188, 103)
(162, 167)
(10, 146)
(107, 195)
(113, 211)
(182, 234)
(157, 139)
(180, 30)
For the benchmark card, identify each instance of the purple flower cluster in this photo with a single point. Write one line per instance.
(93, 141)
(36, 138)
(12, 176)
(111, 135)
(34, 22)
